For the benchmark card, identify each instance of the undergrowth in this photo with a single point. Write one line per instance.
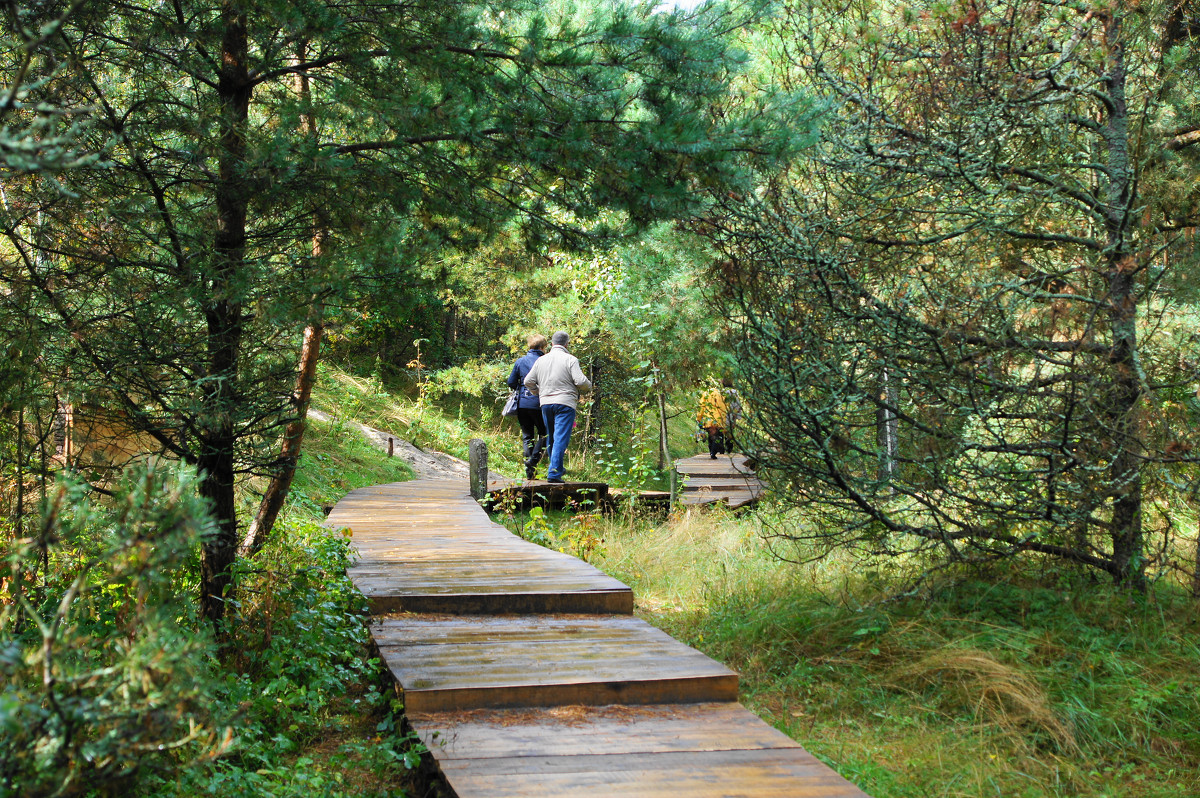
(996, 686)
(110, 682)
(999, 684)
(311, 712)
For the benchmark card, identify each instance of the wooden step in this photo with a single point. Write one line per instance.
(427, 546)
(483, 578)
(600, 704)
(444, 662)
(521, 496)
(698, 750)
(727, 479)
(714, 483)
(723, 464)
(732, 499)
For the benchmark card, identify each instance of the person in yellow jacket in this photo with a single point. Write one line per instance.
(719, 410)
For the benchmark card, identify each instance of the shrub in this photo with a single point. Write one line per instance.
(103, 666)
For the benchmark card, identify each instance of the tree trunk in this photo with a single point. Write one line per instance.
(1122, 269)
(19, 526)
(449, 332)
(310, 354)
(592, 428)
(887, 425)
(224, 317)
(293, 437)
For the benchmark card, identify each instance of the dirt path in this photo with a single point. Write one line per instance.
(426, 464)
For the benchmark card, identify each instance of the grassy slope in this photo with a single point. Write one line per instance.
(1004, 688)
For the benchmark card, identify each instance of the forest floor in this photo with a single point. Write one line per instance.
(1026, 682)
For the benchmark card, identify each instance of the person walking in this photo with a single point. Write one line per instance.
(529, 410)
(720, 409)
(558, 381)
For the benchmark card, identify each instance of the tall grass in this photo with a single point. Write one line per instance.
(1003, 687)
(999, 684)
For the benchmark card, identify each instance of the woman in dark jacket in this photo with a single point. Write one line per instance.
(529, 411)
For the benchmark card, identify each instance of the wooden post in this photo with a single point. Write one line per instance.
(391, 444)
(674, 485)
(478, 464)
(664, 452)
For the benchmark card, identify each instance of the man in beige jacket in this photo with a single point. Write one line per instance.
(557, 381)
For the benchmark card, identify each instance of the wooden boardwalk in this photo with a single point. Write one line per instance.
(727, 479)
(525, 673)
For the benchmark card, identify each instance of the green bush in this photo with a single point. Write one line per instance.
(104, 667)
(109, 680)
(297, 668)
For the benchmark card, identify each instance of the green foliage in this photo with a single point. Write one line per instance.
(630, 461)
(259, 165)
(298, 672)
(1003, 685)
(576, 532)
(104, 669)
(957, 321)
(657, 311)
(142, 699)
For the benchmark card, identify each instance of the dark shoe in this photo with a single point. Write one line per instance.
(712, 457)
(529, 472)
(556, 480)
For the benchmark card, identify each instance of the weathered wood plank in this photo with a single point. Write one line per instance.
(426, 546)
(445, 662)
(733, 501)
(649, 777)
(580, 730)
(701, 482)
(707, 749)
(629, 710)
(727, 479)
(553, 495)
(724, 463)
(479, 601)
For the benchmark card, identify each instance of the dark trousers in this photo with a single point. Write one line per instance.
(533, 434)
(716, 440)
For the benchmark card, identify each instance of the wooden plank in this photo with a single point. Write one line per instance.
(722, 494)
(382, 600)
(724, 463)
(581, 730)
(448, 662)
(629, 710)
(554, 495)
(727, 479)
(714, 470)
(708, 749)
(701, 482)
(450, 575)
(733, 502)
(427, 546)
(776, 773)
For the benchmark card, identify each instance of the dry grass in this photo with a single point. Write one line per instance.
(1011, 686)
(1004, 695)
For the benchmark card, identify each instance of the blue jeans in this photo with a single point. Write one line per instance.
(559, 421)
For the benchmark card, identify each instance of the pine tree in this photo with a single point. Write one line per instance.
(968, 315)
(181, 274)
